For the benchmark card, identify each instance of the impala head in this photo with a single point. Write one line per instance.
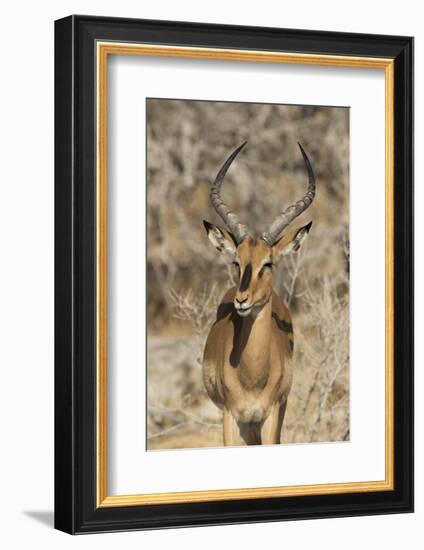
(254, 258)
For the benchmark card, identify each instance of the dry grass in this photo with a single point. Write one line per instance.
(187, 142)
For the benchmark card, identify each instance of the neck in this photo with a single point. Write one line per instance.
(251, 346)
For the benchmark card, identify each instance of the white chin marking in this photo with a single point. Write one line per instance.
(244, 312)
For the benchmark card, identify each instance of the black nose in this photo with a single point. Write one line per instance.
(241, 301)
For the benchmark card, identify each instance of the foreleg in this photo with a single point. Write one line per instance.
(272, 426)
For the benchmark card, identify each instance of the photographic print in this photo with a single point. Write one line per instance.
(247, 274)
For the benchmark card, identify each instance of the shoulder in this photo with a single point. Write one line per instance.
(281, 314)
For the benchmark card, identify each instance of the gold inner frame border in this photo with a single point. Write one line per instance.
(103, 50)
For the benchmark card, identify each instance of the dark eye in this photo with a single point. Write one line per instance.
(268, 265)
(236, 265)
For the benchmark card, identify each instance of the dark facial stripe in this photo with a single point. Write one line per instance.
(247, 275)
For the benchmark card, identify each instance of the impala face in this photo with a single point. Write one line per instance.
(253, 264)
(253, 261)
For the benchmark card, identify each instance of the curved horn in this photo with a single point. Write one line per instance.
(291, 212)
(238, 230)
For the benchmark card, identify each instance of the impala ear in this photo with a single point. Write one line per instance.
(222, 239)
(290, 242)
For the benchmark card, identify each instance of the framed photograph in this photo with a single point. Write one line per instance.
(234, 274)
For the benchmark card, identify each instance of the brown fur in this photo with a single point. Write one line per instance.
(247, 369)
(247, 362)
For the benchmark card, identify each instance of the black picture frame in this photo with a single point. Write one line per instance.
(76, 510)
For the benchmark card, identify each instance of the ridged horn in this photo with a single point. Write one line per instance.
(291, 212)
(238, 230)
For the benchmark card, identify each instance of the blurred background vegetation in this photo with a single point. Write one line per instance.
(187, 142)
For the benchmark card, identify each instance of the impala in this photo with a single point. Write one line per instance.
(247, 362)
